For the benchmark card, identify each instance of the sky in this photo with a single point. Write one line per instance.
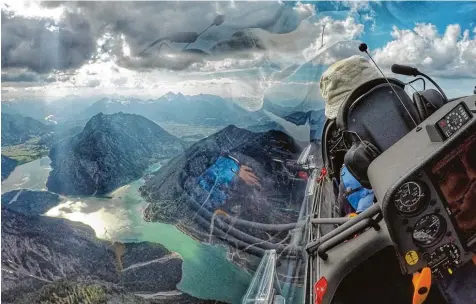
(262, 50)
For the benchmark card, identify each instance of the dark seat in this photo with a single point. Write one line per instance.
(378, 116)
(372, 119)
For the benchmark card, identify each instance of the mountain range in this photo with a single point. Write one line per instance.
(194, 110)
(111, 151)
(17, 129)
(25, 139)
(200, 109)
(47, 111)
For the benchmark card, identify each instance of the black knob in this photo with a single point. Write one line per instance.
(363, 47)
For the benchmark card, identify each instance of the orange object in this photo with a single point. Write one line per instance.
(421, 283)
(352, 214)
(219, 211)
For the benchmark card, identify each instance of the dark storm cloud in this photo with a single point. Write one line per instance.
(140, 23)
(143, 22)
(41, 46)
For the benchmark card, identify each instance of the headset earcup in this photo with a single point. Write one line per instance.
(432, 100)
(420, 106)
(373, 150)
(358, 159)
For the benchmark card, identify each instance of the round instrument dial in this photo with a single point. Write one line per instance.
(411, 197)
(443, 259)
(428, 230)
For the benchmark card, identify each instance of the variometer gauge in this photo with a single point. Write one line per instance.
(411, 197)
(428, 230)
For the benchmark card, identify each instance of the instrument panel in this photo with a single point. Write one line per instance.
(429, 199)
(426, 235)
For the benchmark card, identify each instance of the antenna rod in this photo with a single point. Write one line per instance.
(322, 36)
(363, 48)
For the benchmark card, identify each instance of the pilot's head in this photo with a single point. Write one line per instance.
(341, 78)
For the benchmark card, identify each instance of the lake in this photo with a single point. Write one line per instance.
(207, 273)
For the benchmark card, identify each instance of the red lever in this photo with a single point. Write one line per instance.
(323, 174)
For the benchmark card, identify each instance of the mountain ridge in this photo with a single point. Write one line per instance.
(111, 151)
(17, 129)
(8, 165)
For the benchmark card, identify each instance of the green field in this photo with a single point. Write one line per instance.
(26, 152)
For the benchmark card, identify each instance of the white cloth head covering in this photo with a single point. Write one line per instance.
(341, 78)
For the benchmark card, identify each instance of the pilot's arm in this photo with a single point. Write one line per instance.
(221, 175)
(229, 163)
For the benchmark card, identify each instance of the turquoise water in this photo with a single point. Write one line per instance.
(207, 273)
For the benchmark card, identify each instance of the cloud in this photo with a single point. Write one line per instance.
(243, 52)
(41, 45)
(335, 31)
(260, 48)
(118, 31)
(22, 75)
(66, 35)
(452, 54)
(32, 9)
(305, 10)
(137, 24)
(93, 83)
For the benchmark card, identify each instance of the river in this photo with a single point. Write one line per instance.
(207, 273)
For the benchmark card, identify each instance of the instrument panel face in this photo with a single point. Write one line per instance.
(424, 233)
(427, 190)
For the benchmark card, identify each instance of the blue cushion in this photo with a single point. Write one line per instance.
(361, 199)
